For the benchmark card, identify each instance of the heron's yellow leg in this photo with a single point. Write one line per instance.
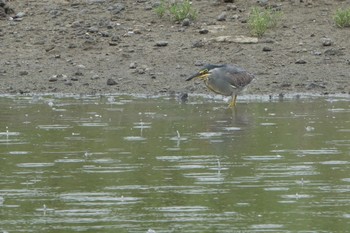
(233, 102)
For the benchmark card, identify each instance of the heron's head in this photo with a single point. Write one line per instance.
(204, 72)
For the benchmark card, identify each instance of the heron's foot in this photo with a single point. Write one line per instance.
(233, 102)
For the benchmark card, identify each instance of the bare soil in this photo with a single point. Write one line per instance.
(122, 46)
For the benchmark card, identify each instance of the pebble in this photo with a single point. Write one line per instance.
(95, 77)
(96, 1)
(326, 42)
(24, 72)
(267, 49)
(53, 79)
(334, 52)
(203, 31)
(116, 8)
(20, 15)
(186, 22)
(162, 43)
(92, 29)
(222, 16)
(133, 65)
(230, 7)
(300, 61)
(197, 44)
(111, 82)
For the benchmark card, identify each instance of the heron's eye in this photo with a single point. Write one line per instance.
(204, 71)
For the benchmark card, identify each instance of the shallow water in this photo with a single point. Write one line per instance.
(127, 164)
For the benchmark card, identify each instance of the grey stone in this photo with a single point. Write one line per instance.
(20, 14)
(23, 72)
(111, 82)
(327, 42)
(300, 61)
(222, 16)
(162, 43)
(116, 8)
(92, 29)
(197, 44)
(203, 31)
(186, 22)
(96, 1)
(133, 65)
(53, 79)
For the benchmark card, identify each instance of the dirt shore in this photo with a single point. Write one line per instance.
(122, 46)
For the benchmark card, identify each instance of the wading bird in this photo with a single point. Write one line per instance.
(228, 80)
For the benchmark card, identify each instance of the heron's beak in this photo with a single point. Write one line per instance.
(193, 76)
(199, 74)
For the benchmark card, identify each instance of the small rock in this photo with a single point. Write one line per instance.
(314, 85)
(230, 7)
(95, 77)
(263, 2)
(137, 31)
(300, 61)
(203, 31)
(140, 70)
(333, 52)
(72, 46)
(162, 43)
(316, 53)
(133, 65)
(327, 42)
(76, 24)
(267, 49)
(49, 48)
(222, 16)
(92, 29)
(68, 83)
(20, 15)
(186, 22)
(53, 79)
(199, 63)
(104, 34)
(24, 72)
(111, 82)
(115, 39)
(95, 1)
(197, 44)
(113, 43)
(148, 7)
(116, 8)
(74, 79)
(286, 85)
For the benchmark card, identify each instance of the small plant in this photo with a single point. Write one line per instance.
(342, 18)
(177, 11)
(160, 9)
(261, 20)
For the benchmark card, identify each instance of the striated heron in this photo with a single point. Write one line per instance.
(224, 79)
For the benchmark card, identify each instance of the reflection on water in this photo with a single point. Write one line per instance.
(126, 164)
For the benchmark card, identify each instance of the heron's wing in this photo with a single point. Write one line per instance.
(238, 77)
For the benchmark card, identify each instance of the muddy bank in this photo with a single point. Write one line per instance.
(104, 46)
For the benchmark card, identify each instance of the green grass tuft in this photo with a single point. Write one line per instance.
(161, 9)
(342, 18)
(262, 19)
(177, 11)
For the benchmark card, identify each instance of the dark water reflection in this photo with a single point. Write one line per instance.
(124, 164)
